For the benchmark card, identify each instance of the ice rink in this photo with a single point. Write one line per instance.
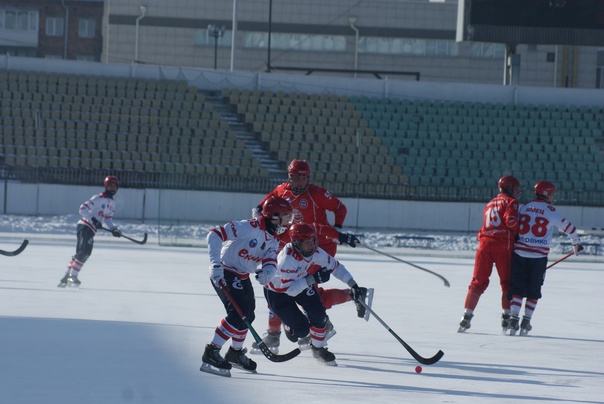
(136, 329)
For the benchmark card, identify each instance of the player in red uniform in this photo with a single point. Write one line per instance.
(529, 262)
(310, 204)
(495, 246)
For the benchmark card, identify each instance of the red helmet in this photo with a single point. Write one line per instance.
(277, 208)
(110, 179)
(304, 238)
(545, 190)
(509, 185)
(299, 176)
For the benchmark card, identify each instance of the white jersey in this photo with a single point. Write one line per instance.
(537, 220)
(242, 246)
(99, 207)
(292, 268)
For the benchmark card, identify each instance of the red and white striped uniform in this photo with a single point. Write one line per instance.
(292, 268)
(537, 220)
(242, 246)
(99, 207)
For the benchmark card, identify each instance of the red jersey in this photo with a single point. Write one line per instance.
(311, 207)
(499, 222)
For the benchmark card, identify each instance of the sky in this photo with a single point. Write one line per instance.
(135, 330)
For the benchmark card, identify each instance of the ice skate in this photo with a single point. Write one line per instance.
(289, 334)
(525, 325)
(213, 363)
(513, 327)
(270, 339)
(239, 360)
(465, 323)
(323, 355)
(73, 281)
(304, 343)
(329, 330)
(63, 281)
(505, 322)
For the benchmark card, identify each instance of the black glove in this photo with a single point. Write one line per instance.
(97, 223)
(322, 275)
(348, 238)
(358, 293)
(338, 226)
(116, 232)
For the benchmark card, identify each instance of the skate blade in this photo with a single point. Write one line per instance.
(61, 285)
(257, 351)
(329, 335)
(207, 368)
(513, 332)
(523, 333)
(462, 329)
(368, 302)
(237, 366)
(330, 363)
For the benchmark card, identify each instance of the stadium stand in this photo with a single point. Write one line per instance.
(129, 126)
(65, 128)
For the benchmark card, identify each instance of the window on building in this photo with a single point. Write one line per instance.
(293, 41)
(483, 50)
(18, 20)
(408, 46)
(86, 58)
(86, 28)
(203, 37)
(54, 26)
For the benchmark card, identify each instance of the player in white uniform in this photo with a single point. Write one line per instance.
(293, 286)
(95, 212)
(236, 250)
(537, 220)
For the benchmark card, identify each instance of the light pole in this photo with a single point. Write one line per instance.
(352, 20)
(143, 11)
(216, 32)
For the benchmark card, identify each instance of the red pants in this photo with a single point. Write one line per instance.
(483, 267)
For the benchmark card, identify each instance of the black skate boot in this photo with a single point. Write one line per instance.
(63, 281)
(324, 355)
(213, 363)
(513, 327)
(360, 308)
(465, 323)
(270, 339)
(239, 360)
(505, 322)
(525, 325)
(289, 334)
(73, 281)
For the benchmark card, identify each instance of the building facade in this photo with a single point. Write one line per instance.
(52, 28)
(398, 39)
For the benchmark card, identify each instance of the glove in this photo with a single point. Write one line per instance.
(321, 276)
(116, 232)
(264, 276)
(357, 293)
(256, 211)
(96, 223)
(348, 238)
(338, 226)
(216, 274)
(577, 248)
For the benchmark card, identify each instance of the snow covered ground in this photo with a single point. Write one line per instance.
(135, 331)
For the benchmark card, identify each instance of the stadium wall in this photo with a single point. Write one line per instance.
(149, 205)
